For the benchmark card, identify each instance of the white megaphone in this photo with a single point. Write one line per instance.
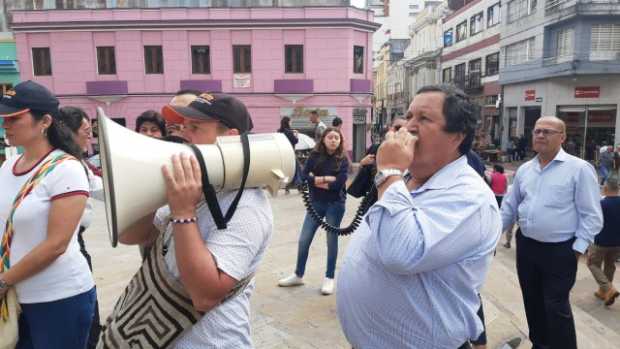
(134, 185)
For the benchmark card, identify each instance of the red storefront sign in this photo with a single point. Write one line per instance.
(530, 95)
(587, 92)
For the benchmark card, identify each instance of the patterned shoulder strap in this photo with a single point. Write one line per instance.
(5, 248)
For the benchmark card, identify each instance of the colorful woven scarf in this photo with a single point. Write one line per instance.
(5, 248)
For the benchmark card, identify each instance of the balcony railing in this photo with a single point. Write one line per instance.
(112, 4)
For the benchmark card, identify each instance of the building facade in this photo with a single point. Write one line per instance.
(562, 58)
(470, 60)
(9, 70)
(281, 61)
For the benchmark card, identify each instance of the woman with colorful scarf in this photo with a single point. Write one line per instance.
(44, 192)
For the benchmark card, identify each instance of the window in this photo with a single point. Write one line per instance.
(242, 58)
(520, 8)
(475, 24)
(41, 61)
(358, 59)
(447, 75)
(492, 64)
(461, 31)
(493, 15)
(459, 73)
(564, 47)
(520, 52)
(201, 60)
(293, 58)
(605, 41)
(475, 70)
(153, 60)
(106, 60)
(447, 38)
(475, 66)
(414, 6)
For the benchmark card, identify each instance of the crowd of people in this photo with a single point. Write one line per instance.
(411, 275)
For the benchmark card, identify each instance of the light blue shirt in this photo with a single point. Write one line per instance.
(412, 272)
(557, 202)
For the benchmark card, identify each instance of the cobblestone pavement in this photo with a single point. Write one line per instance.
(301, 317)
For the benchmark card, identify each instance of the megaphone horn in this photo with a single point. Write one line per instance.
(134, 185)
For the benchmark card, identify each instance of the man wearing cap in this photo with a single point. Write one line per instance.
(209, 262)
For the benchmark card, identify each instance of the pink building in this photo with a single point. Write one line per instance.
(279, 61)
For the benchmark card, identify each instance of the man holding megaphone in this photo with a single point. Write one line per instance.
(214, 267)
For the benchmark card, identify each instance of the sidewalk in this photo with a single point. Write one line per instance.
(301, 318)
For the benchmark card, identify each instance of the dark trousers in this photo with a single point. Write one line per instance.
(547, 273)
(95, 328)
(482, 339)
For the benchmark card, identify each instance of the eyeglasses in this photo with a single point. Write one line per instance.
(545, 132)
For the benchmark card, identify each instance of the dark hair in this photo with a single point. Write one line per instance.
(175, 139)
(153, 117)
(314, 112)
(58, 134)
(72, 117)
(460, 113)
(188, 91)
(336, 122)
(285, 123)
(498, 168)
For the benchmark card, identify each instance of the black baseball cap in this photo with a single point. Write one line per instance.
(27, 96)
(224, 108)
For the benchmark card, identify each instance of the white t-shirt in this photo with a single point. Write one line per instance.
(68, 275)
(237, 251)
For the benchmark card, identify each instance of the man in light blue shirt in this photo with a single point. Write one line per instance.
(412, 272)
(555, 199)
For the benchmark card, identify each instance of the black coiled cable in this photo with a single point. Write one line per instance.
(361, 211)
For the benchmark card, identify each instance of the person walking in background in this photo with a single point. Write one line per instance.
(337, 123)
(152, 124)
(606, 163)
(326, 173)
(291, 135)
(499, 183)
(78, 122)
(555, 198)
(44, 193)
(319, 126)
(606, 247)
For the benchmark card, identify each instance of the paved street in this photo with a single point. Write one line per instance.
(302, 318)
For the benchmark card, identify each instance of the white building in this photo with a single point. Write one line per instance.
(470, 59)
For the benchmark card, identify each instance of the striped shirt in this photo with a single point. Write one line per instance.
(412, 272)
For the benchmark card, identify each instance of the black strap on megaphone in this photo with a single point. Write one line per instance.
(209, 191)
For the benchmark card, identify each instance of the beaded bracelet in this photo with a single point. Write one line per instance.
(183, 220)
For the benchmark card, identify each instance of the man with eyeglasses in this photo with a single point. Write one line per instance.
(555, 199)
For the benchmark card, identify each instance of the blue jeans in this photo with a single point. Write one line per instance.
(604, 172)
(333, 211)
(61, 324)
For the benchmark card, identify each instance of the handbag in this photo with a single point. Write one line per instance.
(9, 331)
(9, 306)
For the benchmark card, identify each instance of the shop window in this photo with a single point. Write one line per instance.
(201, 61)
(106, 60)
(293, 58)
(587, 128)
(358, 59)
(493, 15)
(153, 60)
(242, 59)
(475, 24)
(41, 61)
(461, 31)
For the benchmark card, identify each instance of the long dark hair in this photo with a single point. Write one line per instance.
(72, 117)
(285, 124)
(58, 134)
(152, 117)
(321, 151)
